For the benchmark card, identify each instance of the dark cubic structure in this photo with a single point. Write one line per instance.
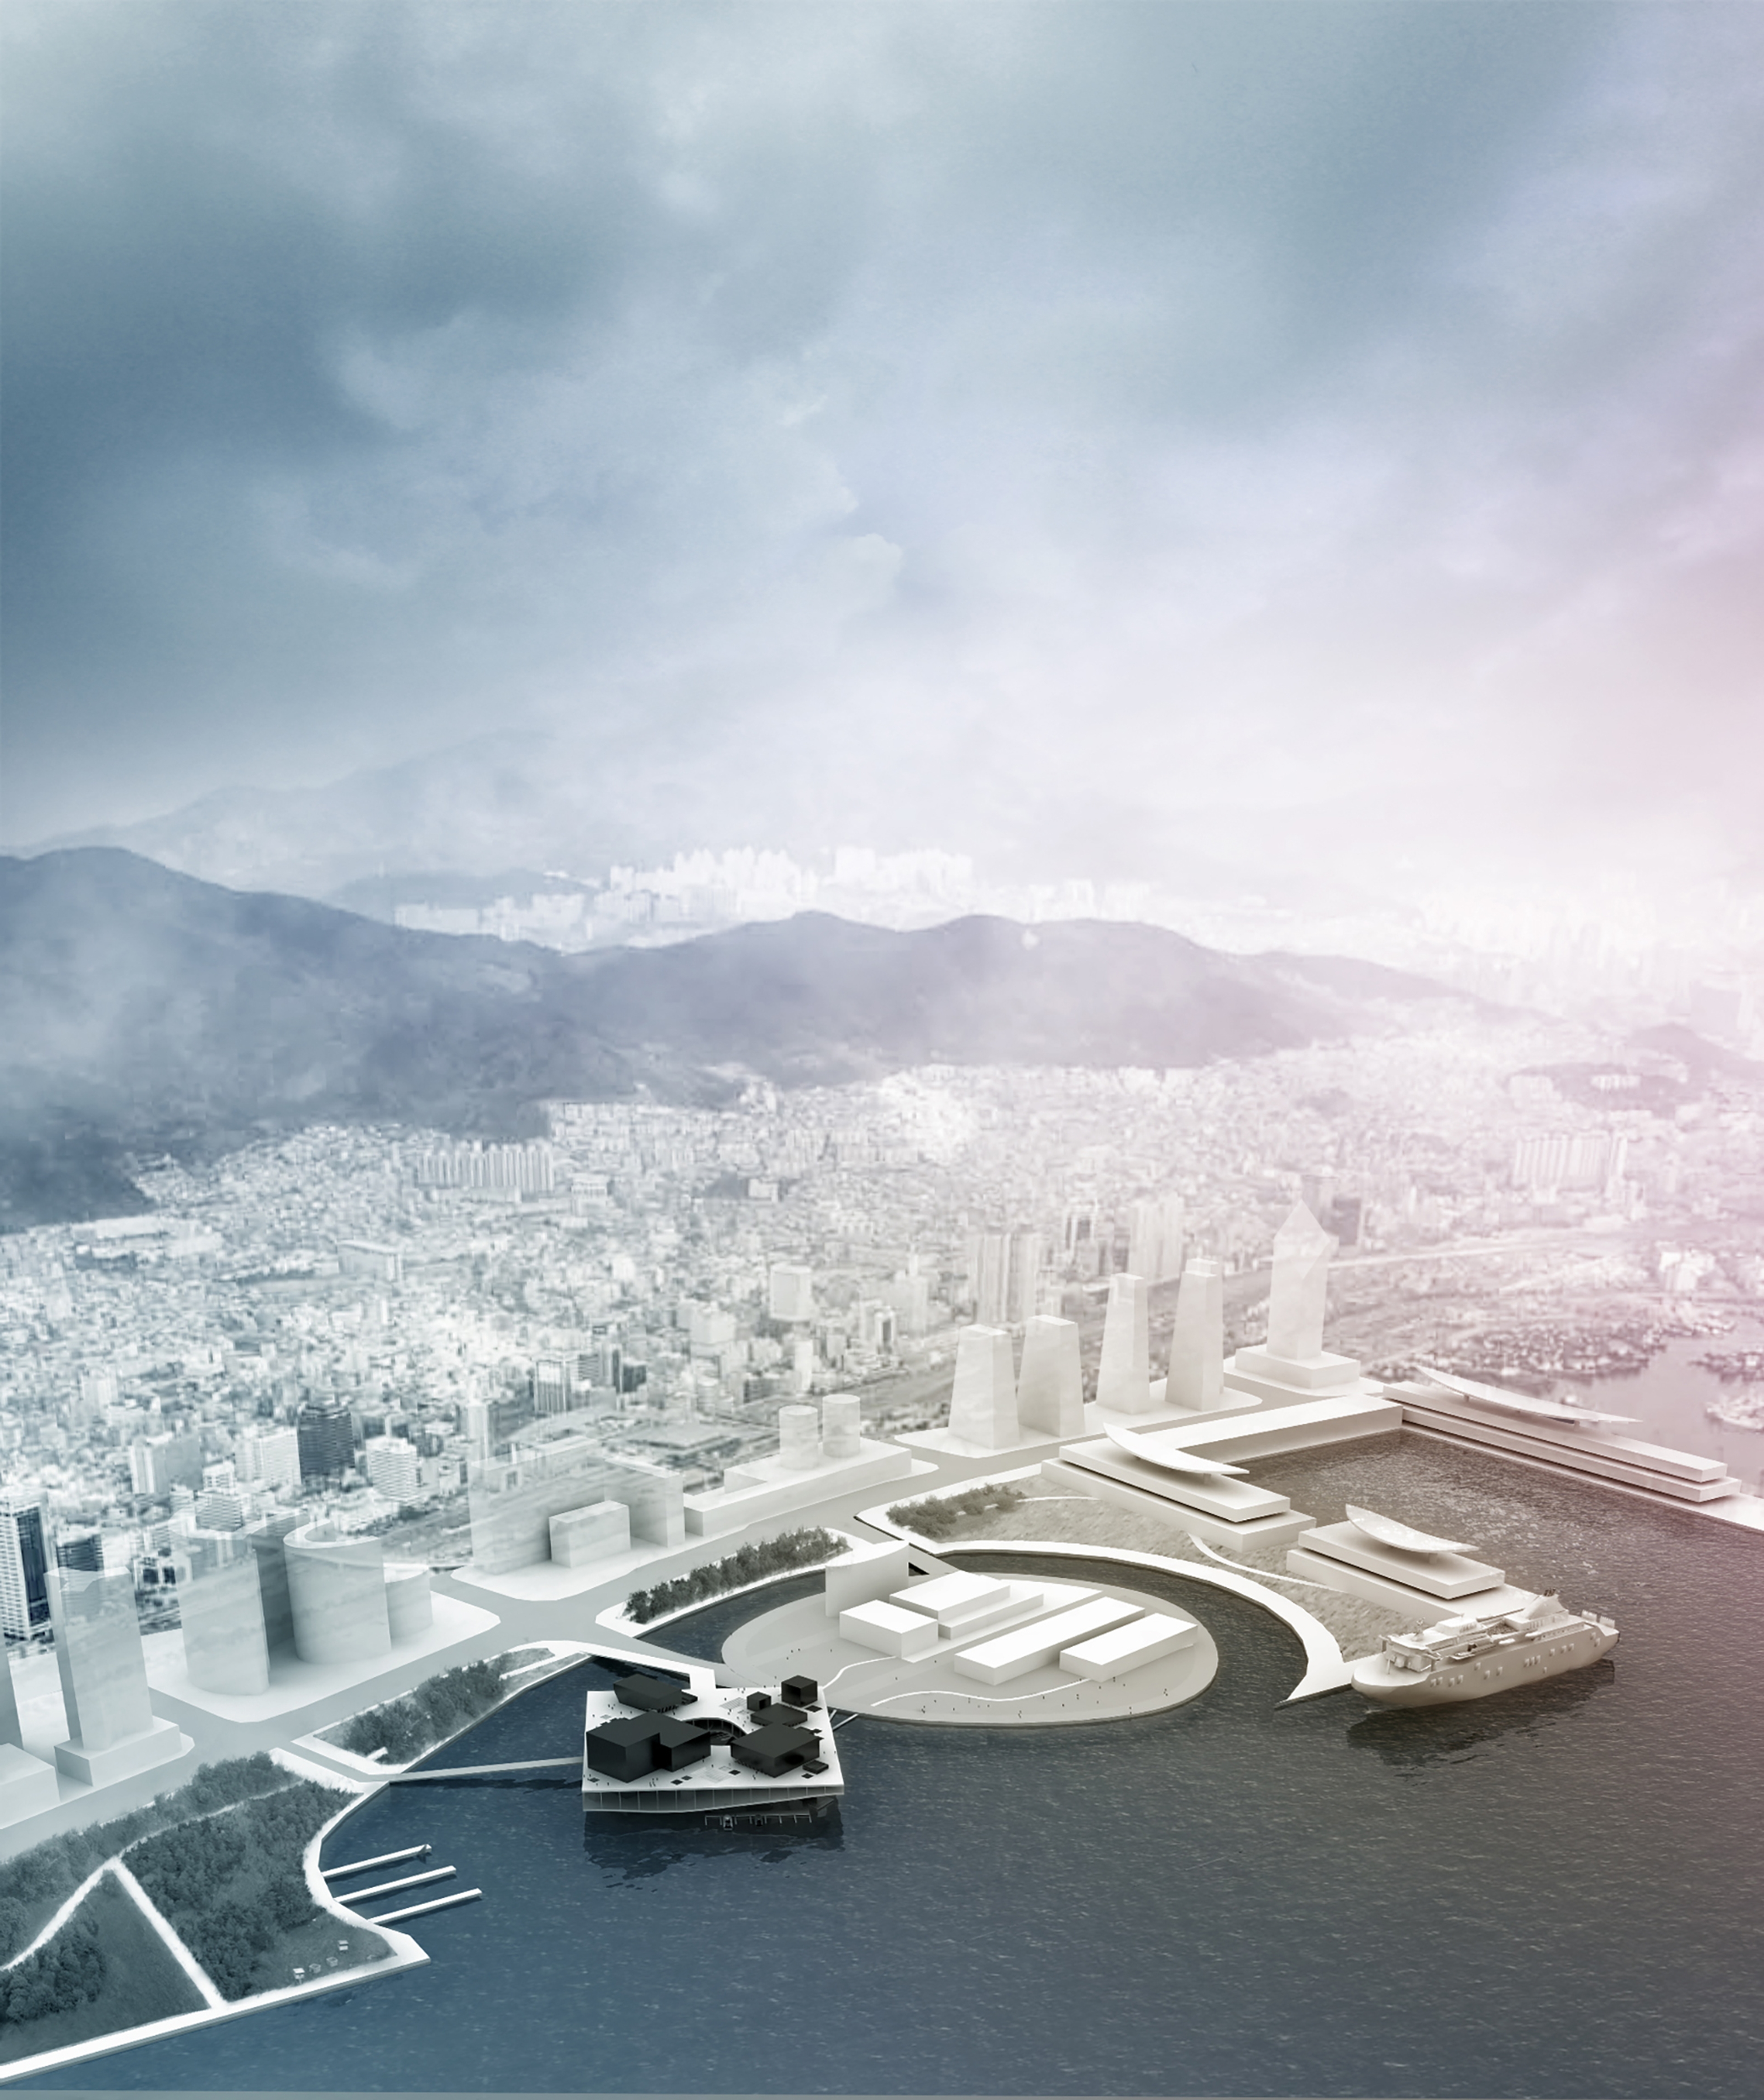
(772, 1714)
(654, 1695)
(775, 1750)
(679, 1744)
(625, 1749)
(799, 1691)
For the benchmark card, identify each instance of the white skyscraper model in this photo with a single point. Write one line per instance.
(1197, 1339)
(112, 1731)
(983, 1400)
(1124, 1377)
(1293, 1365)
(1050, 1389)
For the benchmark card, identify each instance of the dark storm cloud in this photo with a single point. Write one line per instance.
(984, 410)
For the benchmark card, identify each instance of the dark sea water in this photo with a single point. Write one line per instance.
(1555, 1892)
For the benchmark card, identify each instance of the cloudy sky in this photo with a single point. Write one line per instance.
(1072, 423)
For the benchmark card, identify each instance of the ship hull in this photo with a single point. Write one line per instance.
(1482, 1676)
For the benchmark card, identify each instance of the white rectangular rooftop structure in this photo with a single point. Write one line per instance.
(1032, 1646)
(889, 1629)
(951, 1599)
(1125, 1647)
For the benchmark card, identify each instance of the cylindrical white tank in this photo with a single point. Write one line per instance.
(842, 1426)
(336, 1586)
(799, 1437)
(409, 1606)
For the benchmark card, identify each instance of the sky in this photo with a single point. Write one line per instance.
(1073, 430)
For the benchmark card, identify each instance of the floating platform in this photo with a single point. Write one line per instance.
(713, 1783)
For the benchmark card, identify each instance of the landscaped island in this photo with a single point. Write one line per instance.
(220, 1860)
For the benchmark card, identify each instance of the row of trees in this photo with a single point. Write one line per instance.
(232, 1884)
(735, 1571)
(439, 1708)
(939, 1517)
(47, 1875)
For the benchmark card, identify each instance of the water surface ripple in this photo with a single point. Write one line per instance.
(1553, 1893)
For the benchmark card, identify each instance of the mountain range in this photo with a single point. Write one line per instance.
(148, 1012)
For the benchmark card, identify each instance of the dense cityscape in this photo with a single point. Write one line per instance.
(350, 1319)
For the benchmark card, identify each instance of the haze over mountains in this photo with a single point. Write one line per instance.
(148, 1011)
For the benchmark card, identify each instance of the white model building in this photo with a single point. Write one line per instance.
(818, 1455)
(113, 1733)
(1197, 1376)
(1050, 1389)
(336, 1585)
(1124, 1375)
(220, 1604)
(983, 1400)
(27, 1785)
(1293, 1364)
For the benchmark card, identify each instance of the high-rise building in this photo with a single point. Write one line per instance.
(790, 1291)
(983, 1399)
(1050, 1389)
(392, 1468)
(112, 1731)
(326, 1439)
(82, 1549)
(1154, 1238)
(158, 1464)
(24, 1566)
(337, 1587)
(220, 1604)
(551, 1386)
(269, 1457)
(1298, 1293)
(1198, 1338)
(1124, 1375)
(989, 1264)
(523, 1170)
(1028, 1256)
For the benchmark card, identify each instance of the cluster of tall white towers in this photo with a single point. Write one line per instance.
(994, 1407)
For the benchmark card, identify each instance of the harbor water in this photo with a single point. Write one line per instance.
(1552, 1892)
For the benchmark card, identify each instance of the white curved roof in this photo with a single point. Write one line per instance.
(1388, 1532)
(1169, 1456)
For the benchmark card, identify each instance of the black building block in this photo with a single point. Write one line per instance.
(655, 1695)
(622, 1750)
(778, 1715)
(758, 1700)
(799, 1691)
(775, 1750)
(679, 1744)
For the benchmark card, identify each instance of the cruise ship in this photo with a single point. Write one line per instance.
(1470, 1658)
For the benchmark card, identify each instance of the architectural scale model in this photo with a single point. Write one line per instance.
(1472, 1658)
(653, 1747)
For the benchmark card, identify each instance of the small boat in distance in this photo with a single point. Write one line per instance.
(1471, 1658)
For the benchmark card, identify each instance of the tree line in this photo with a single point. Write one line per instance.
(941, 1516)
(439, 1707)
(735, 1571)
